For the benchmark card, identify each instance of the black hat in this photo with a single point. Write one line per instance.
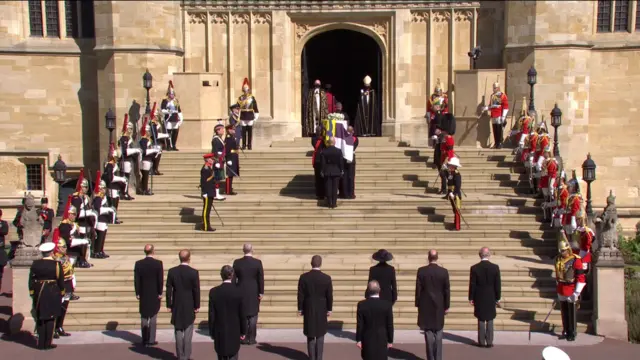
(44, 200)
(234, 106)
(382, 255)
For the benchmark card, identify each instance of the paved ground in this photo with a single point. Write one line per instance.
(289, 344)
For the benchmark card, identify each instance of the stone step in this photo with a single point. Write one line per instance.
(361, 159)
(251, 174)
(309, 181)
(468, 323)
(306, 190)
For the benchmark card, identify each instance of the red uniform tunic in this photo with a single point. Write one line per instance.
(446, 148)
(569, 272)
(543, 143)
(499, 103)
(572, 208)
(586, 240)
(552, 172)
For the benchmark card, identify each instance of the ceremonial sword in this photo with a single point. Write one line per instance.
(553, 305)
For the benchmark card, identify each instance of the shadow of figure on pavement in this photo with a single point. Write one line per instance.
(398, 354)
(153, 352)
(343, 334)
(287, 353)
(457, 339)
(124, 335)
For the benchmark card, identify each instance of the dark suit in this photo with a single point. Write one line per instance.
(248, 275)
(183, 298)
(432, 299)
(374, 328)
(227, 320)
(148, 282)
(315, 299)
(332, 169)
(348, 181)
(4, 230)
(484, 291)
(385, 275)
(316, 160)
(46, 287)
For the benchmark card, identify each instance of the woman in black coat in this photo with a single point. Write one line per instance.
(385, 275)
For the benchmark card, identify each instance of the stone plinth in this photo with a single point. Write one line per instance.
(609, 290)
(21, 319)
(203, 105)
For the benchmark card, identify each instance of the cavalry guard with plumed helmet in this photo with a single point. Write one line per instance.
(249, 114)
(130, 156)
(172, 115)
(60, 254)
(498, 109)
(570, 281)
(86, 219)
(149, 153)
(522, 128)
(574, 204)
(115, 184)
(438, 103)
(549, 175)
(454, 183)
(106, 215)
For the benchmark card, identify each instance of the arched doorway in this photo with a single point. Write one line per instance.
(343, 58)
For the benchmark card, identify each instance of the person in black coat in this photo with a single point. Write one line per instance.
(374, 329)
(348, 181)
(248, 275)
(385, 275)
(232, 159)
(148, 282)
(227, 319)
(315, 302)
(46, 287)
(317, 142)
(332, 170)
(46, 214)
(4, 259)
(183, 300)
(484, 295)
(433, 295)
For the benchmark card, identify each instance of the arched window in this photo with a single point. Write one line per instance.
(77, 21)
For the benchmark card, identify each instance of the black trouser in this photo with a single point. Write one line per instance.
(156, 164)
(233, 357)
(247, 136)
(348, 180)
(145, 181)
(569, 318)
(63, 314)
(174, 137)
(45, 333)
(206, 211)
(14, 247)
(98, 245)
(497, 134)
(443, 180)
(315, 347)
(319, 181)
(437, 155)
(331, 189)
(252, 328)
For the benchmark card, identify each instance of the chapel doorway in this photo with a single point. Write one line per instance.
(343, 58)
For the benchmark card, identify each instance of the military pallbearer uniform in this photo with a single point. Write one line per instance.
(454, 184)
(219, 163)
(570, 282)
(232, 159)
(207, 188)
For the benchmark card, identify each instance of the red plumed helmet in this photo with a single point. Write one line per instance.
(65, 216)
(245, 83)
(143, 131)
(96, 185)
(56, 238)
(125, 124)
(80, 179)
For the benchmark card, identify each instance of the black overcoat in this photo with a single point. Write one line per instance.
(374, 328)
(315, 299)
(433, 296)
(183, 295)
(248, 275)
(227, 320)
(46, 286)
(332, 163)
(148, 282)
(484, 289)
(385, 275)
(231, 149)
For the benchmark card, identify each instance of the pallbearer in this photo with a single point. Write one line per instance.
(232, 159)
(454, 183)
(130, 155)
(571, 280)
(498, 109)
(172, 115)
(218, 149)
(106, 215)
(207, 188)
(149, 153)
(248, 114)
(115, 184)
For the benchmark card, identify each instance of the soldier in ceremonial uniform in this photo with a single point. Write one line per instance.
(219, 163)
(523, 127)
(317, 142)
(172, 115)
(548, 178)
(115, 184)
(130, 155)
(207, 187)
(454, 183)
(542, 148)
(86, 220)
(562, 197)
(570, 282)
(60, 254)
(574, 204)
(446, 154)
(532, 142)
(586, 236)
(234, 119)
(156, 136)
(46, 287)
(249, 114)
(232, 159)
(149, 153)
(498, 107)
(438, 103)
(47, 215)
(106, 215)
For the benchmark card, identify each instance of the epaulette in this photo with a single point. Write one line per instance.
(65, 221)
(76, 194)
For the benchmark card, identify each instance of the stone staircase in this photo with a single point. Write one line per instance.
(277, 212)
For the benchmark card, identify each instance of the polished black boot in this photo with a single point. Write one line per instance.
(59, 330)
(96, 245)
(564, 313)
(573, 323)
(250, 136)
(101, 249)
(174, 139)
(245, 132)
(126, 195)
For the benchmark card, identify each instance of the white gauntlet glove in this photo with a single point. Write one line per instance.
(229, 163)
(217, 165)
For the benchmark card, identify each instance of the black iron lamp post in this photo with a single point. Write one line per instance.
(589, 176)
(60, 176)
(532, 75)
(147, 83)
(556, 122)
(110, 123)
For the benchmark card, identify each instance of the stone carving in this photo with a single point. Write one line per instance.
(607, 234)
(30, 223)
(197, 18)
(219, 18)
(381, 29)
(240, 19)
(441, 16)
(419, 16)
(302, 30)
(261, 18)
(463, 15)
(250, 5)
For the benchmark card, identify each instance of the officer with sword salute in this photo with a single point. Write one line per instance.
(454, 185)
(218, 149)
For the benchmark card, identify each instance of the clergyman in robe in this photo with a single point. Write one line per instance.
(316, 109)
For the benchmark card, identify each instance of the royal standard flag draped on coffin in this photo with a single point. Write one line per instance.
(336, 126)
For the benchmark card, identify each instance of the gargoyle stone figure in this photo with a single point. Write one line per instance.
(606, 222)
(31, 223)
